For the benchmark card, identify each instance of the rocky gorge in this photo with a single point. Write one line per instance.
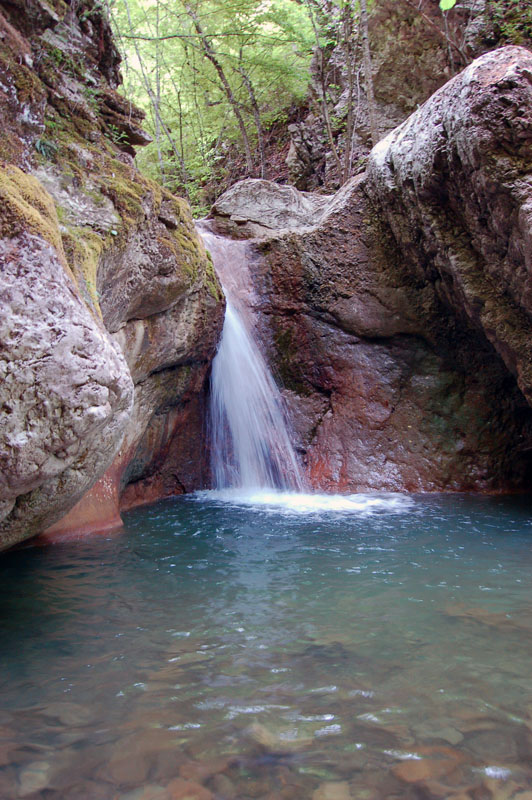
(396, 313)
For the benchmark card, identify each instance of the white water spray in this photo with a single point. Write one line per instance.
(251, 447)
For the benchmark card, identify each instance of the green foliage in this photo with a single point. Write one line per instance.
(115, 135)
(264, 52)
(46, 148)
(446, 5)
(92, 96)
(511, 20)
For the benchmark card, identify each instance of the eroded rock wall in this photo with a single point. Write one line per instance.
(399, 318)
(110, 309)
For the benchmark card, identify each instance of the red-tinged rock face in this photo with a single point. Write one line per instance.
(400, 321)
(66, 391)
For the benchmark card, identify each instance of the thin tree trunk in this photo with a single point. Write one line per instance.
(258, 122)
(449, 48)
(148, 87)
(355, 123)
(347, 24)
(450, 42)
(367, 73)
(158, 99)
(323, 95)
(210, 54)
(181, 153)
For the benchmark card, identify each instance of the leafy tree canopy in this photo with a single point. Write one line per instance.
(210, 73)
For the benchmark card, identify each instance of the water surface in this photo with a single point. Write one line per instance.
(273, 651)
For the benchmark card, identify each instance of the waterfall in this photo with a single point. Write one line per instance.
(251, 447)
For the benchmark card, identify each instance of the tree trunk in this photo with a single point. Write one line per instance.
(367, 73)
(149, 90)
(323, 95)
(258, 122)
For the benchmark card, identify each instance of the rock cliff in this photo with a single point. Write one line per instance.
(110, 309)
(415, 49)
(399, 317)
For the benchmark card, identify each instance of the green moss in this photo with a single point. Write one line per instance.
(26, 207)
(126, 196)
(511, 21)
(58, 59)
(29, 87)
(211, 279)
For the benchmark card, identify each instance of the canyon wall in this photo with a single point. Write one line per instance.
(396, 312)
(110, 309)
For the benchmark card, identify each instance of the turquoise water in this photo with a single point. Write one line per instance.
(379, 651)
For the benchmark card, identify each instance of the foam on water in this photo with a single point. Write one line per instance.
(307, 503)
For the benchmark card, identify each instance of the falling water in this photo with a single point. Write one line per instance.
(251, 447)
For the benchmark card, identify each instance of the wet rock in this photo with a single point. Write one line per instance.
(127, 769)
(458, 171)
(262, 736)
(501, 789)
(257, 206)
(434, 763)
(448, 733)
(403, 337)
(87, 790)
(223, 787)
(492, 619)
(70, 714)
(34, 778)
(180, 789)
(134, 756)
(332, 790)
(273, 742)
(66, 390)
(89, 247)
(148, 792)
(201, 771)
(503, 743)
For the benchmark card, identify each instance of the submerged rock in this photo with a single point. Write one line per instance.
(332, 790)
(34, 778)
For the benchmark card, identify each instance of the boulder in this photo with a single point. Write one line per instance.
(254, 207)
(454, 184)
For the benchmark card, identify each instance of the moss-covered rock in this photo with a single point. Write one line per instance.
(128, 251)
(26, 207)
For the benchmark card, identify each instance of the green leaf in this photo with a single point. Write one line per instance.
(446, 5)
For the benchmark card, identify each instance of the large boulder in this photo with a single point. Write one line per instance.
(454, 183)
(110, 309)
